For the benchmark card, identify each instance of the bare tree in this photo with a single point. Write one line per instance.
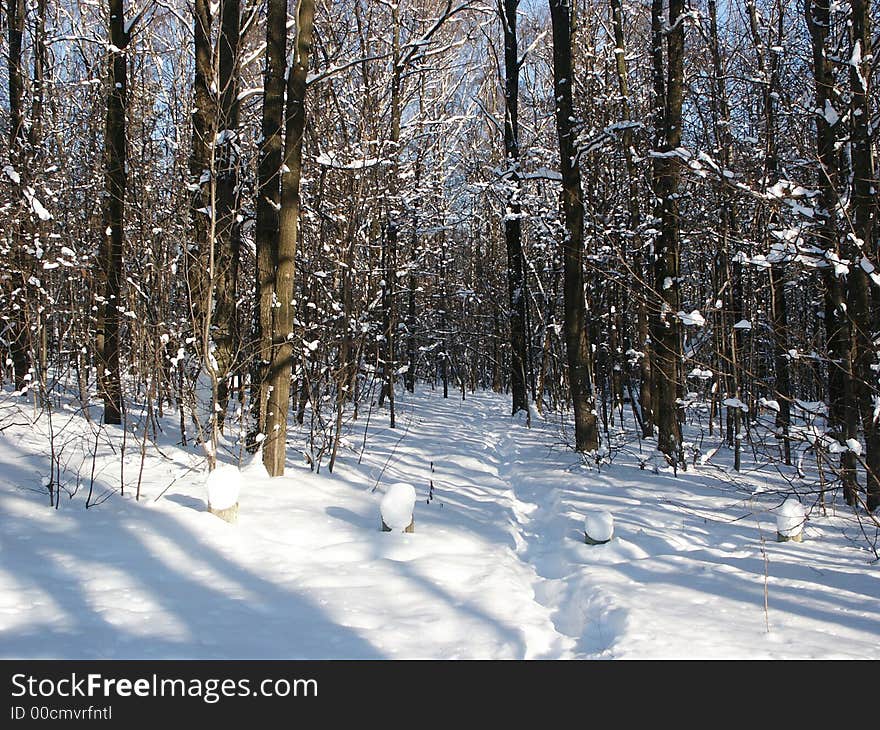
(516, 281)
(115, 150)
(275, 448)
(576, 326)
(665, 323)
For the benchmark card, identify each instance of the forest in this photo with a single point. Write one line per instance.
(263, 227)
(598, 206)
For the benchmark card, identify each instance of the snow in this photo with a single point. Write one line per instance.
(37, 207)
(812, 407)
(790, 517)
(599, 525)
(223, 486)
(735, 403)
(701, 374)
(830, 114)
(694, 319)
(397, 506)
(11, 173)
(868, 268)
(497, 569)
(841, 266)
(743, 324)
(854, 446)
(328, 160)
(856, 62)
(246, 94)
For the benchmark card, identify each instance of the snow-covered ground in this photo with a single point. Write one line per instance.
(497, 566)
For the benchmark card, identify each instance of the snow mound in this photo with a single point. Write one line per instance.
(694, 319)
(599, 526)
(224, 486)
(790, 517)
(397, 506)
(854, 446)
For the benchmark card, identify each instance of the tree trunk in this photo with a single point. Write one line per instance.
(389, 239)
(275, 449)
(768, 65)
(200, 259)
(412, 287)
(18, 157)
(512, 223)
(843, 408)
(113, 216)
(268, 205)
(228, 242)
(665, 329)
(864, 212)
(779, 314)
(635, 219)
(576, 332)
(732, 275)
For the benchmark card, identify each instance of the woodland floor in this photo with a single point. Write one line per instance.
(497, 566)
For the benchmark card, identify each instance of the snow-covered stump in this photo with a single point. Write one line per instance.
(411, 527)
(790, 518)
(224, 486)
(598, 528)
(229, 514)
(396, 508)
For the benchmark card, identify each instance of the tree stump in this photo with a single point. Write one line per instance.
(229, 514)
(410, 528)
(790, 538)
(790, 518)
(598, 527)
(590, 541)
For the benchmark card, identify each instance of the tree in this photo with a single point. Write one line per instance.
(635, 220)
(665, 323)
(576, 327)
(275, 447)
(267, 206)
(15, 12)
(225, 329)
(768, 60)
(843, 407)
(864, 246)
(516, 281)
(115, 147)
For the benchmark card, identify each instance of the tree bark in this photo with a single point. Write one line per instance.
(665, 325)
(635, 219)
(768, 65)
(389, 238)
(576, 333)
(113, 216)
(864, 213)
(275, 449)
(732, 353)
(18, 157)
(512, 223)
(843, 408)
(268, 205)
(225, 332)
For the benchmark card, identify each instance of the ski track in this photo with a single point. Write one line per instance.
(497, 566)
